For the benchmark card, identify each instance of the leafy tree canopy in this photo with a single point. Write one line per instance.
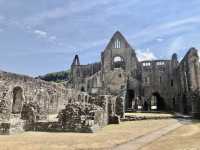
(56, 76)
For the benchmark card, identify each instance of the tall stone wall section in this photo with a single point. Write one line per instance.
(17, 89)
(188, 79)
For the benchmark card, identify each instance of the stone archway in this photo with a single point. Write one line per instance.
(158, 101)
(17, 100)
(82, 89)
(130, 95)
(118, 62)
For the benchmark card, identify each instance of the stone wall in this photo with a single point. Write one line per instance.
(149, 85)
(188, 79)
(16, 89)
(157, 78)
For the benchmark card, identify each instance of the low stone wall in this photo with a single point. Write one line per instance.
(12, 124)
(76, 117)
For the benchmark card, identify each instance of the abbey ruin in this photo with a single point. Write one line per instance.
(100, 93)
(145, 85)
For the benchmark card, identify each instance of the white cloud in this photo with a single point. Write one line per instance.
(40, 33)
(47, 37)
(194, 19)
(159, 39)
(145, 55)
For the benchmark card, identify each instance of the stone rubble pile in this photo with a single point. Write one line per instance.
(33, 111)
(77, 116)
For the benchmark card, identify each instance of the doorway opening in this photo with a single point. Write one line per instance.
(17, 100)
(184, 104)
(158, 101)
(82, 89)
(129, 98)
(174, 103)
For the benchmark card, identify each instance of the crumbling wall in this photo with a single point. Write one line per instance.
(114, 81)
(94, 84)
(81, 117)
(157, 77)
(188, 79)
(15, 90)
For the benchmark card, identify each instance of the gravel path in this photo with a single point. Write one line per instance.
(145, 139)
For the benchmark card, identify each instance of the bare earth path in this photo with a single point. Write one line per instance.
(139, 142)
(187, 137)
(105, 139)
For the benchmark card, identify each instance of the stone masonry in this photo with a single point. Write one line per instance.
(151, 85)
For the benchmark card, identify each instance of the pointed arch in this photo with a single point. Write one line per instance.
(118, 62)
(17, 100)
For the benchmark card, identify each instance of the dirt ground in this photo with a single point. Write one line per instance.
(106, 138)
(186, 137)
(147, 115)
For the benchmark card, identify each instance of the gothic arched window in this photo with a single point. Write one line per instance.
(118, 62)
(117, 43)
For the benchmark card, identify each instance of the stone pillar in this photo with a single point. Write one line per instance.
(120, 110)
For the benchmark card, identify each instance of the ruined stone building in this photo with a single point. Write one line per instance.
(100, 93)
(145, 85)
(27, 103)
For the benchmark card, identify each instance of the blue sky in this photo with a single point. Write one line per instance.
(37, 37)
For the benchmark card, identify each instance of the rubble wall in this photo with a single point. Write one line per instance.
(16, 89)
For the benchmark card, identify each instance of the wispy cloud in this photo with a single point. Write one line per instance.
(159, 39)
(41, 34)
(85, 27)
(47, 36)
(73, 7)
(168, 28)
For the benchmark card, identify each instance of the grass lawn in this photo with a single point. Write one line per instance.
(106, 138)
(186, 137)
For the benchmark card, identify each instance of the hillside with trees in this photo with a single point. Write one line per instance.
(60, 76)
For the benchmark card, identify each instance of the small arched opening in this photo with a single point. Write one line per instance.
(157, 102)
(184, 104)
(17, 100)
(174, 103)
(118, 62)
(82, 89)
(130, 95)
(86, 98)
(79, 98)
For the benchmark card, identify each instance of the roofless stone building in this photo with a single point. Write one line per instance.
(100, 93)
(147, 85)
